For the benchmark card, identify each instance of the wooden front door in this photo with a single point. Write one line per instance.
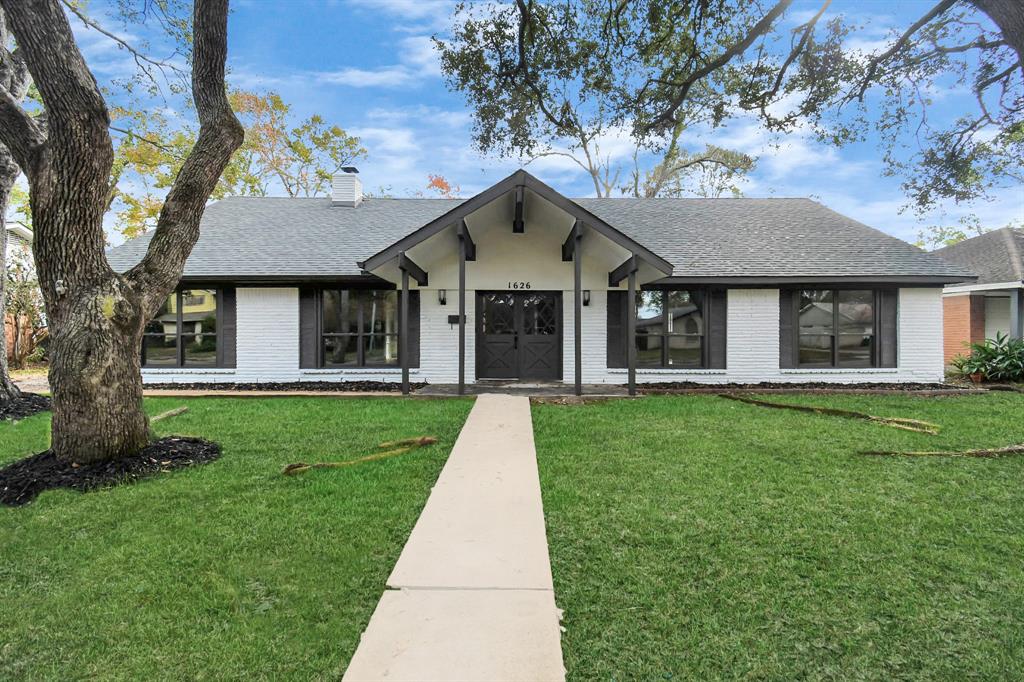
(519, 335)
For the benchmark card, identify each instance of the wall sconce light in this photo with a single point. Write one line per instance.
(442, 296)
(586, 297)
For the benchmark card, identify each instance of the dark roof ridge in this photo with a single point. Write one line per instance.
(1016, 262)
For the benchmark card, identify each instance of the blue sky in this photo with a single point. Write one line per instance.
(368, 66)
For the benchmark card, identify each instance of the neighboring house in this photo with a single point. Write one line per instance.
(994, 303)
(727, 290)
(21, 339)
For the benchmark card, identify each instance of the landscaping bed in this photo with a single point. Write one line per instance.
(25, 406)
(693, 537)
(326, 386)
(682, 387)
(22, 481)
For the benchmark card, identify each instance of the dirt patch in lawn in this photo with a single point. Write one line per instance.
(22, 481)
(25, 406)
(333, 386)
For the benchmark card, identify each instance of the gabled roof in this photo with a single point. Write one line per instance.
(741, 240)
(995, 257)
(518, 179)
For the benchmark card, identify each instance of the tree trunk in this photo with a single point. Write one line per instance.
(95, 376)
(8, 175)
(1008, 15)
(96, 316)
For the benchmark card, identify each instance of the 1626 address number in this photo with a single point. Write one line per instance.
(518, 285)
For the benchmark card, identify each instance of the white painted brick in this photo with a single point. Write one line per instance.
(268, 343)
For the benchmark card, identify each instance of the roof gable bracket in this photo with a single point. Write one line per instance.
(463, 232)
(620, 273)
(569, 245)
(406, 264)
(518, 226)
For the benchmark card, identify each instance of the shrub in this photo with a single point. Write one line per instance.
(998, 359)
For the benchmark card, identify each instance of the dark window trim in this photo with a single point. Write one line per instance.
(360, 363)
(876, 308)
(705, 346)
(179, 363)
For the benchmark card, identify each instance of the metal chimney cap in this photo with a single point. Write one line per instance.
(350, 169)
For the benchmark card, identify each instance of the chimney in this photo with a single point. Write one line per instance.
(346, 189)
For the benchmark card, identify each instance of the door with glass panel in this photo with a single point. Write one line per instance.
(519, 335)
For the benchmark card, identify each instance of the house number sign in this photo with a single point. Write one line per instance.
(518, 285)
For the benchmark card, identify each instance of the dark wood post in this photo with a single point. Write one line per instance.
(1017, 313)
(462, 314)
(631, 333)
(403, 333)
(577, 260)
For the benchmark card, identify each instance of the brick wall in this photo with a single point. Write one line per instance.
(963, 323)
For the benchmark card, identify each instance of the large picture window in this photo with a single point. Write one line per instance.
(670, 329)
(359, 328)
(184, 331)
(836, 328)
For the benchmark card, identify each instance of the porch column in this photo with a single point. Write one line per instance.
(577, 261)
(403, 333)
(462, 313)
(631, 333)
(1017, 313)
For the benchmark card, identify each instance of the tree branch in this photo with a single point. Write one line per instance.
(220, 134)
(735, 50)
(875, 62)
(140, 59)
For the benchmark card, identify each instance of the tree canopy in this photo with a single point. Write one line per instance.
(536, 71)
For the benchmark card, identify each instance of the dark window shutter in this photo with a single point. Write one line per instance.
(717, 333)
(309, 328)
(888, 344)
(414, 328)
(617, 305)
(228, 331)
(787, 328)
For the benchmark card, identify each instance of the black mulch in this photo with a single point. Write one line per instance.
(25, 406)
(23, 480)
(347, 386)
(668, 387)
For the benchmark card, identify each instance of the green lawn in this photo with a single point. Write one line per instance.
(229, 570)
(698, 538)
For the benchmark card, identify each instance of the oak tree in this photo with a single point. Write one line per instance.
(651, 66)
(96, 316)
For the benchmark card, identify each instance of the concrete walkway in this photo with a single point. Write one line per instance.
(471, 596)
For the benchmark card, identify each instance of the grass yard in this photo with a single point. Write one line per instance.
(226, 571)
(698, 538)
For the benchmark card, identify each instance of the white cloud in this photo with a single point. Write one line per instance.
(386, 76)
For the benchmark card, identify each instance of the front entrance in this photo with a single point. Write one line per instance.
(519, 335)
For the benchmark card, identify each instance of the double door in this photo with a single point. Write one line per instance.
(519, 335)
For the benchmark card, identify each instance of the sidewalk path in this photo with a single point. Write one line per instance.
(471, 596)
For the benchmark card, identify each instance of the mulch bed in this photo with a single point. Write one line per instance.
(334, 386)
(22, 481)
(25, 406)
(805, 387)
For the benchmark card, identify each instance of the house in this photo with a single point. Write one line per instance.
(22, 335)
(992, 304)
(522, 283)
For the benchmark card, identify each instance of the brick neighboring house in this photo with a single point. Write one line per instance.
(994, 304)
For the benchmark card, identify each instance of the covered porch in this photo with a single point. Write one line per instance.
(516, 259)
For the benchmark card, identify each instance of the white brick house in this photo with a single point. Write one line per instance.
(725, 291)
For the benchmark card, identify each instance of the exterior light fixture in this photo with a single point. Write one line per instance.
(442, 296)
(586, 297)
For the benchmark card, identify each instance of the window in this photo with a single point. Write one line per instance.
(670, 329)
(184, 331)
(836, 328)
(359, 328)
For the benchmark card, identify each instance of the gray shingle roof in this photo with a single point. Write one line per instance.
(996, 256)
(267, 237)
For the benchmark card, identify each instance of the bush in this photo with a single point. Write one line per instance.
(998, 359)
